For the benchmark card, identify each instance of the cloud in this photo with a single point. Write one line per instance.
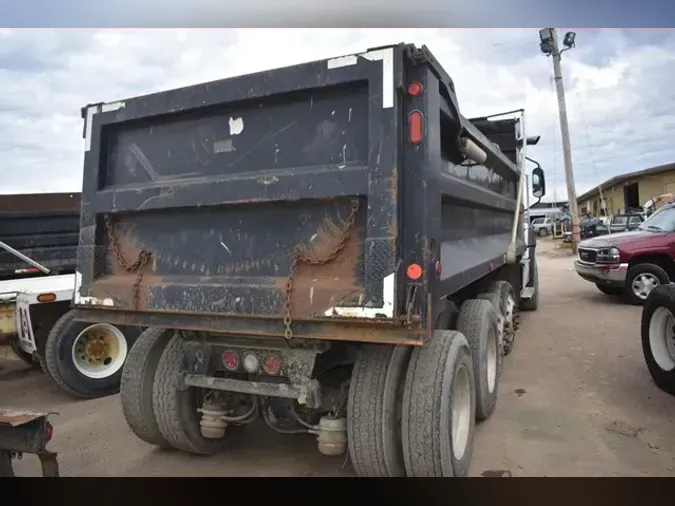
(619, 96)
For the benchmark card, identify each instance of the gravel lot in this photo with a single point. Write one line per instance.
(575, 400)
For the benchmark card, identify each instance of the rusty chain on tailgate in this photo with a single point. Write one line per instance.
(139, 265)
(300, 257)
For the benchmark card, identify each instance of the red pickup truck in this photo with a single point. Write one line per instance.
(632, 263)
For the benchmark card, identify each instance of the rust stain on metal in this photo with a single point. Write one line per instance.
(7, 318)
(17, 417)
(318, 287)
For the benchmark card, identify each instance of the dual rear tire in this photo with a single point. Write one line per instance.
(157, 409)
(412, 411)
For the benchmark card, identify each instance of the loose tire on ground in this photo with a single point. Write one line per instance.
(507, 295)
(609, 290)
(137, 383)
(645, 275)
(532, 304)
(439, 383)
(175, 408)
(59, 358)
(658, 336)
(374, 407)
(478, 322)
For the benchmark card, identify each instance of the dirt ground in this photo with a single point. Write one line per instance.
(575, 400)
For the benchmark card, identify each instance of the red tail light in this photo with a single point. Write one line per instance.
(231, 360)
(415, 127)
(49, 431)
(271, 364)
(414, 89)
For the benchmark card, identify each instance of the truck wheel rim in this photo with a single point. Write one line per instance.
(492, 347)
(662, 338)
(461, 411)
(643, 284)
(99, 351)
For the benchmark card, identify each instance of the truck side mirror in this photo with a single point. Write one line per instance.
(538, 183)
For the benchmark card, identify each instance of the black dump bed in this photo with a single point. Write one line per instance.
(43, 226)
(218, 184)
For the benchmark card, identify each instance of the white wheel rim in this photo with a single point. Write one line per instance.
(99, 351)
(461, 411)
(643, 284)
(492, 352)
(662, 338)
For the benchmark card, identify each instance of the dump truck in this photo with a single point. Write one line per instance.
(331, 247)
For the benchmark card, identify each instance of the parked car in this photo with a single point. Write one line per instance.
(631, 263)
(621, 223)
(542, 226)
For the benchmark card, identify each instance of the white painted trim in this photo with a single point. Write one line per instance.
(112, 106)
(95, 109)
(386, 56)
(387, 309)
(91, 110)
(342, 61)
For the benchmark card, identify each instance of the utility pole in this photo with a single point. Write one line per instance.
(549, 46)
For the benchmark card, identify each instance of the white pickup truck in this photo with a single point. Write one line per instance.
(84, 359)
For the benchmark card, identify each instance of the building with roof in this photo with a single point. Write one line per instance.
(628, 191)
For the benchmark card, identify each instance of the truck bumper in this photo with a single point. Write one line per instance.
(609, 275)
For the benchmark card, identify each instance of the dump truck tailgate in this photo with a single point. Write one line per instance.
(223, 183)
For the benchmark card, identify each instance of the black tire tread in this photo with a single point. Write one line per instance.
(661, 296)
(51, 354)
(169, 406)
(163, 397)
(366, 408)
(475, 319)
(422, 405)
(136, 386)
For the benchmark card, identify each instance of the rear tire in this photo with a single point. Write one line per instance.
(439, 407)
(609, 290)
(175, 407)
(658, 336)
(649, 274)
(61, 353)
(137, 383)
(478, 322)
(374, 411)
(496, 301)
(508, 307)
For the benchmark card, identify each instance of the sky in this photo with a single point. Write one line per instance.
(620, 101)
